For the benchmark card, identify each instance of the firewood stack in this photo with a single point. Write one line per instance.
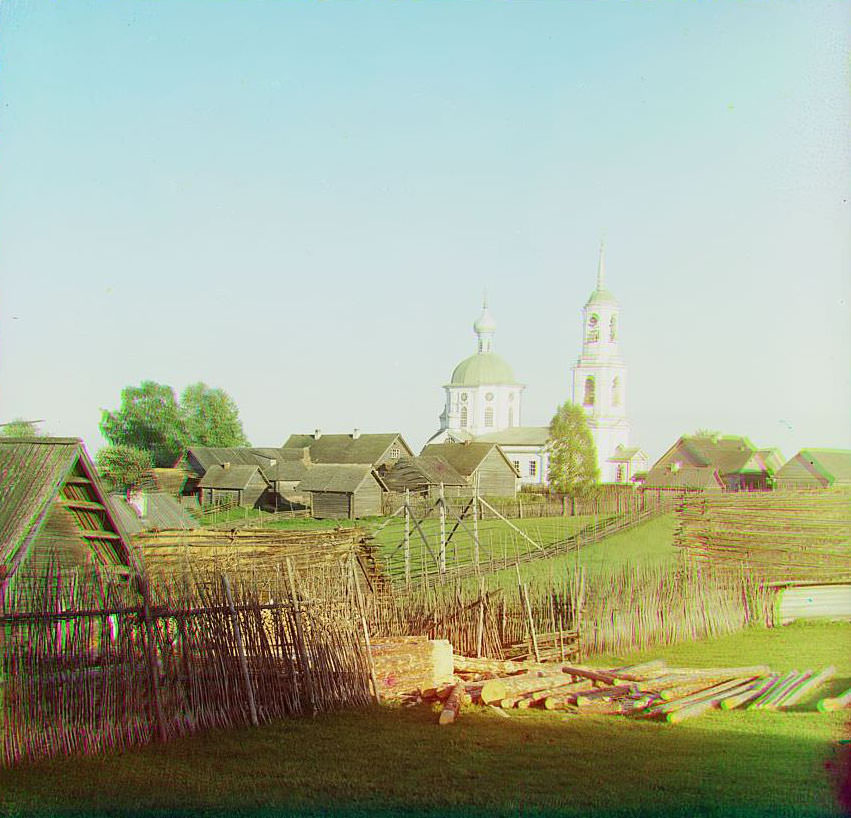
(649, 690)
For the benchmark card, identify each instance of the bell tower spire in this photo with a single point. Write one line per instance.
(601, 267)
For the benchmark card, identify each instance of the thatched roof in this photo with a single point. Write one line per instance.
(345, 478)
(39, 474)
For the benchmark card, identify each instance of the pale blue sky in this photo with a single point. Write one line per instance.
(301, 202)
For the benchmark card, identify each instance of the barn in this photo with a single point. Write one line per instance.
(343, 490)
(55, 512)
(483, 464)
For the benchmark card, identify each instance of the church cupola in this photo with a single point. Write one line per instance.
(485, 327)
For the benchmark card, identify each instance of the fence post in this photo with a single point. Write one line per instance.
(476, 526)
(442, 553)
(240, 648)
(153, 668)
(302, 651)
(407, 537)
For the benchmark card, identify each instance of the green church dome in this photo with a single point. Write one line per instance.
(482, 368)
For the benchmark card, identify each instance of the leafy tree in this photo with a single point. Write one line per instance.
(19, 428)
(149, 419)
(573, 456)
(210, 417)
(123, 466)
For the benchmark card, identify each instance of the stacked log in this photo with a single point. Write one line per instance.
(407, 663)
(648, 690)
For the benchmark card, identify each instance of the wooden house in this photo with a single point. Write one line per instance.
(423, 475)
(376, 449)
(343, 490)
(233, 484)
(816, 469)
(483, 464)
(55, 512)
(695, 458)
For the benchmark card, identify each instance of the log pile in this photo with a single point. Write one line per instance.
(650, 690)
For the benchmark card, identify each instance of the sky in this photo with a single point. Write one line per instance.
(302, 203)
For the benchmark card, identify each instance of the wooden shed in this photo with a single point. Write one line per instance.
(151, 511)
(483, 464)
(54, 511)
(230, 484)
(343, 490)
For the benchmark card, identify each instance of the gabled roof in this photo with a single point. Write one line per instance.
(162, 512)
(688, 477)
(518, 436)
(365, 448)
(36, 473)
(834, 465)
(409, 472)
(345, 478)
(233, 478)
(465, 458)
(727, 454)
(624, 454)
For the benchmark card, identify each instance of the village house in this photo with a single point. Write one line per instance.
(483, 464)
(378, 450)
(704, 461)
(816, 469)
(343, 490)
(228, 484)
(55, 512)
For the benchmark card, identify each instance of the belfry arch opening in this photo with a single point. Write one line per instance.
(588, 398)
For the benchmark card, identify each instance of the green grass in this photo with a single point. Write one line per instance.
(393, 761)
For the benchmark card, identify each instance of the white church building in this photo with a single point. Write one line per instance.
(599, 385)
(483, 400)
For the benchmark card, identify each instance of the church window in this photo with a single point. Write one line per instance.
(616, 391)
(588, 400)
(613, 328)
(489, 416)
(463, 416)
(489, 396)
(620, 474)
(516, 464)
(463, 397)
(593, 330)
(533, 468)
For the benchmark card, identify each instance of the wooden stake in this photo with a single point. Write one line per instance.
(240, 648)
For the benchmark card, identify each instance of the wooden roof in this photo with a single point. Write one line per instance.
(233, 478)
(687, 477)
(832, 465)
(162, 513)
(39, 473)
(345, 478)
(728, 454)
(465, 458)
(365, 448)
(411, 472)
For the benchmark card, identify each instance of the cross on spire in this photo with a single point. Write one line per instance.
(601, 267)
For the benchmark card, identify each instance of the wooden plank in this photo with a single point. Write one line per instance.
(100, 535)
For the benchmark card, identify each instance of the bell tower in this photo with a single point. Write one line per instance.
(599, 376)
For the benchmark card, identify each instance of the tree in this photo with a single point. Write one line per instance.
(149, 419)
(573, 456)
(123, 466)
(210, 417)
(19, 428)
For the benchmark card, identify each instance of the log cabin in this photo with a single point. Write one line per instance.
(483, 464)
(343, 490)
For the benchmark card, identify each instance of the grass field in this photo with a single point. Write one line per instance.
(393, 761)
